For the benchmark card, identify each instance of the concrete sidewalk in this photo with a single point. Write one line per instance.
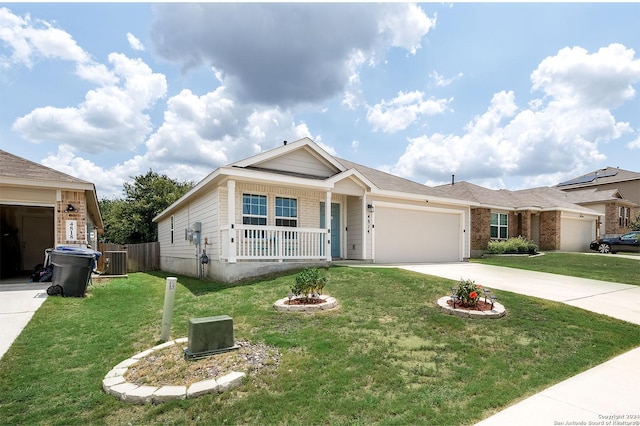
(606, 394)
(18, 303)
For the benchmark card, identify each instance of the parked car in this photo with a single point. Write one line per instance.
(626, 242)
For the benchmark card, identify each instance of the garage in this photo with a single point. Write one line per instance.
(576, 233)
(41, 208)
(417, 235)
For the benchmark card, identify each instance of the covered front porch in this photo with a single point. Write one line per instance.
(314, 238)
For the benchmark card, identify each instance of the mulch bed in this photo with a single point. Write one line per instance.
(480, 306)
(304, 301)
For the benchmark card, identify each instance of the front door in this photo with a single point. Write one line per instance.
(335, 227)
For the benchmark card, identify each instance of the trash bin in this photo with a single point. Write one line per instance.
(72, 267)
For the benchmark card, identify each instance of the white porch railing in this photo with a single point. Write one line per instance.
(251, 242)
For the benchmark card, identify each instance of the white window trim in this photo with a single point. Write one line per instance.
(506, 226)
(285, 217)
(265, 216)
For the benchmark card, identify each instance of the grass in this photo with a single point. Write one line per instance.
(387, 356)
(597, 267)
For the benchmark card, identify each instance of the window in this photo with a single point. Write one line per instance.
(499, 225)
(286, 212)
(172, 228)
(254, 209)
(620, 215)
(627, 214)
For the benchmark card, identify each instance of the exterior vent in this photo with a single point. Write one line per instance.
(115, 262)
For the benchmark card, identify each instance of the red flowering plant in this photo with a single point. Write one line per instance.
(468, 292)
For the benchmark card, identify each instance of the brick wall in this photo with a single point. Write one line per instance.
(550, 230)
(480, 228)
(611, 222)
(77, 200)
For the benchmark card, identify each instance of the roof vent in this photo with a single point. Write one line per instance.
(285, 143)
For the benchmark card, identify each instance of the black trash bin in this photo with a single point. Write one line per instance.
(71, 270)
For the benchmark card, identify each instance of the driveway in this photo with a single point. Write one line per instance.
(18, 303)
(620, 301)
(605, 394)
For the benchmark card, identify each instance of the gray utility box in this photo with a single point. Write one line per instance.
(210, 336)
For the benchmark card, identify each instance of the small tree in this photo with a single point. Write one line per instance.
(635, 225)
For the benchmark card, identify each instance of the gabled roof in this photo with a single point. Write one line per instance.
(388, 182)
(12, 166)
(267, 160)
(596, 195)
(600, 177)
(20, 172)
(280, 165)
(542, 198)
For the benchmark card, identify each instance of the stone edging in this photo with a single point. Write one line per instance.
(498, 310)
(115, 384)
(329, 303)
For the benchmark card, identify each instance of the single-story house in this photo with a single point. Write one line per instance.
(544, 215)
(298, 204)
(41, 208)
(612, 191)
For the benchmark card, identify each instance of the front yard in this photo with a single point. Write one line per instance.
(387, 355)
(594, 266)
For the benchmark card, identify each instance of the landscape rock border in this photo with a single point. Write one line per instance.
(115, 384)
(498, 310)
(328, 304)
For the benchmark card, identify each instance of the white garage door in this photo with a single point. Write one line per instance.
(416, 236)
(576, 234)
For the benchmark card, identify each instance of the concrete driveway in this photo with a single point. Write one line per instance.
(620, 301)
(605, 394)
(18, 303)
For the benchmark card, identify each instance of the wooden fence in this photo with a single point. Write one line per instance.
(140, 257)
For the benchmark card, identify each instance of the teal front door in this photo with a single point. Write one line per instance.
(335, 227)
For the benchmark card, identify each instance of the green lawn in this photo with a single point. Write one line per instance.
(597, 267)
(387, 356)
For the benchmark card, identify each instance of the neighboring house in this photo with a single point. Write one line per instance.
(618, 211)
(41, 208)
(544, 215)
(612, 191)
(298, 205)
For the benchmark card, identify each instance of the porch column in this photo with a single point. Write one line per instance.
(366, 217)
(231, 207)
(327, 225)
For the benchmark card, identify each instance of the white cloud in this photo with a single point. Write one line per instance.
(634, 144)
(134, 43)
(108, 181)
(403, 110)
(406, 26)
(441, 81)
(112, 117)
(556, 137)
(600, 80)
(30, 40)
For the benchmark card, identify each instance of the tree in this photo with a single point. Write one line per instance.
(130, 220)
(635, 225)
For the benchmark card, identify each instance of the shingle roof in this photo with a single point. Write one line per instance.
(18, 167)
(595, 195)
(600, 177)
(389, 182)
(542, 197)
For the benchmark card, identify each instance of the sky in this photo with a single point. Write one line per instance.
(503, 95)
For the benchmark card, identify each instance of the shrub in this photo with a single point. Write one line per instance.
(309, 282)
(468, 292)
(512, 246)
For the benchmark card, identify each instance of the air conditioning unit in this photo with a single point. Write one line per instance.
(115, 262)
